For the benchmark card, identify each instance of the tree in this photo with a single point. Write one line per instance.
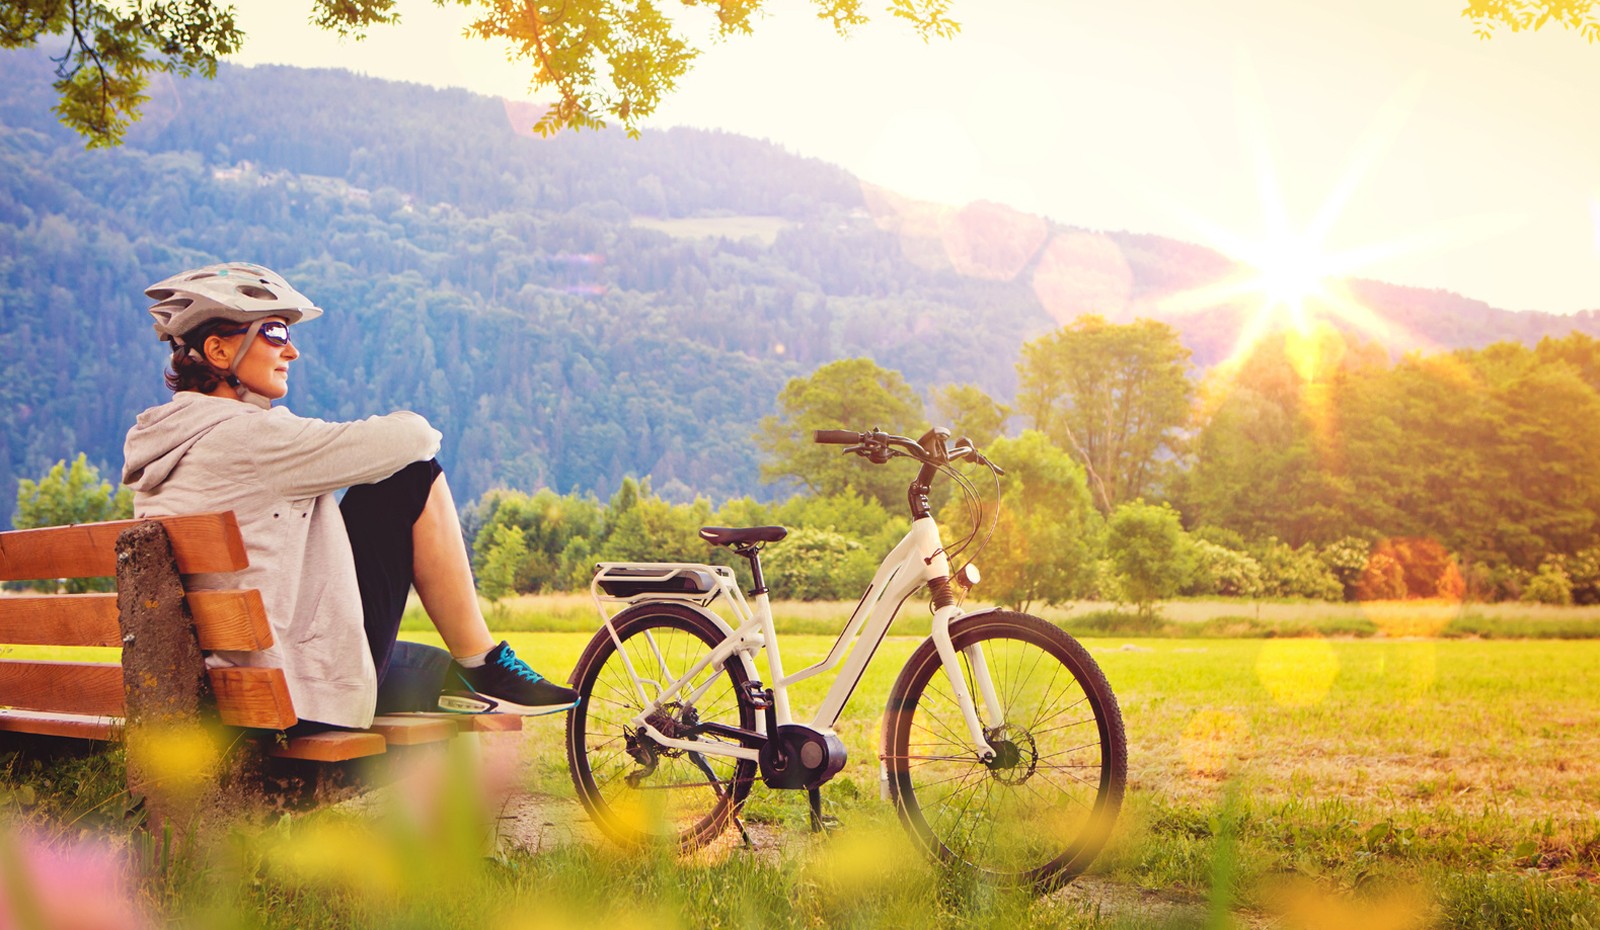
(548, 522)
(70, 495)
(603, 58)
(1262, 462)
(1048, 530)
(112, 50)
(852, 393)
(1517, 15)
(641, 527)
(1148, 550)
(506, 553)
(1114, 395)
(967, 411)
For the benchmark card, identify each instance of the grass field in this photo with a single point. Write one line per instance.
(762, 228)
(1174, 619)
(1372, 782)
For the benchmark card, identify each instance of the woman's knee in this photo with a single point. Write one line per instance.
(397, 499)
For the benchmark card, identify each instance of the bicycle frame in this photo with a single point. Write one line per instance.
(918, 559)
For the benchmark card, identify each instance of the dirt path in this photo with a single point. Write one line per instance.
(535, 822)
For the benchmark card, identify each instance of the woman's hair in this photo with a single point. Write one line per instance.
(189, 373)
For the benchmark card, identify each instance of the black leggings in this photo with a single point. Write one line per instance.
(378, 518)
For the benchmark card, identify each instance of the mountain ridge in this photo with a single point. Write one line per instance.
(498, 283)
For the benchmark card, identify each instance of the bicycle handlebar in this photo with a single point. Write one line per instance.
(836, 437)
(879, 446)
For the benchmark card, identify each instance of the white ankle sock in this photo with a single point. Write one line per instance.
(476, 661)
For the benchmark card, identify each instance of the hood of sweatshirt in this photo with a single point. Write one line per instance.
(163, 434)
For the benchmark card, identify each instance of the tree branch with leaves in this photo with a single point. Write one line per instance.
(604, 59)
(1532, 15)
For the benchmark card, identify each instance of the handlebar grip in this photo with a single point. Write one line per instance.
(836, 437)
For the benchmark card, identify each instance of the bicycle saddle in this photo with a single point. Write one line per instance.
(727, 536)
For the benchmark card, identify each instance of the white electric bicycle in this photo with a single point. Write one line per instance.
(1003, 747)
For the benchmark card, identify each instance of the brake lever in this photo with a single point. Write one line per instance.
(970, 454)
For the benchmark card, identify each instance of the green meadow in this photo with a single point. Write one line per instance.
(1296, 781)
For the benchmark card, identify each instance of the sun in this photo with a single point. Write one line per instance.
(1287, 273)
(1289, 283)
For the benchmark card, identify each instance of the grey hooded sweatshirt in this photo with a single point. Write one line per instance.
(277, 472)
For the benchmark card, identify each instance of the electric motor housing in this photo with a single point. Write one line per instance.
(799, 757)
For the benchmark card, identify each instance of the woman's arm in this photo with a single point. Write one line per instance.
(302, 457)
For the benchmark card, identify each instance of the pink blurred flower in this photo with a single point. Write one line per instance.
(63, 886)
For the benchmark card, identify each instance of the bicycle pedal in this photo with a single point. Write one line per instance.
(759, 695)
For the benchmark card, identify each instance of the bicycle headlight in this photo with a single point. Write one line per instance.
(968, 576)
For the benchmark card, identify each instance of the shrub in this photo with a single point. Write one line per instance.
(1346, 559)
(813, 564)
(1290, 572)
(1550, 585)
(1382, 579)
(1583, 568)
(1427, 569)
(66, 495)
(1223, 571)
(1151, 555)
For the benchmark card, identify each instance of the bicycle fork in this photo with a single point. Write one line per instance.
(993, 713)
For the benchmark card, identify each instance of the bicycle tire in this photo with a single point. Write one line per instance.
(675, 801)
(1041, 812)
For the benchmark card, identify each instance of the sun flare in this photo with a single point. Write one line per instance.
(1289, 272)
(1290, 280)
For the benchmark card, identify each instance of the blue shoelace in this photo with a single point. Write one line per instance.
(509, 661)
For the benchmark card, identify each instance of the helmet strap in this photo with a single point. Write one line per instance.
(245, 394)
(180, 347)
(244, 346)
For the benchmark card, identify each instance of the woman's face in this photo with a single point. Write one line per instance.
(264, 368)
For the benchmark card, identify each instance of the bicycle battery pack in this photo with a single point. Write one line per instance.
(629, 581)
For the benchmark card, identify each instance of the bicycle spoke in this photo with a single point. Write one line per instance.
(646, 789)
(1032, 804)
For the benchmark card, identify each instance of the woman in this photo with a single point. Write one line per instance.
(334, 577)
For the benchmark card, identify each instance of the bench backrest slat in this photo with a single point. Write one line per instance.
(59, 620)
(257, 698)
(204, 542)
(70, 687)
(223, 620)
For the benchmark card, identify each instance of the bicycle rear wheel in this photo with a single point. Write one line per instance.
(636, 790)
(1042, 809)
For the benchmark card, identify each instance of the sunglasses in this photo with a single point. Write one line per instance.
(274, 332)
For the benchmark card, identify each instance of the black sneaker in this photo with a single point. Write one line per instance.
(512, 685)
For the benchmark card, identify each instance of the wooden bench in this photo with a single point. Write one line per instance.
(161, 629)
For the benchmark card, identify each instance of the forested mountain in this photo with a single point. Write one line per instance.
(568, 310)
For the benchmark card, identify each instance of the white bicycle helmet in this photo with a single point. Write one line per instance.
(236, 291)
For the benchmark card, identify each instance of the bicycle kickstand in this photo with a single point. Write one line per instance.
(820, 822)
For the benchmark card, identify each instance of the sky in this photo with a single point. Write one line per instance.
(1372, 138)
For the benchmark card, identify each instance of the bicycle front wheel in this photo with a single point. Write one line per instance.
(636, 790)
(1043, 807)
